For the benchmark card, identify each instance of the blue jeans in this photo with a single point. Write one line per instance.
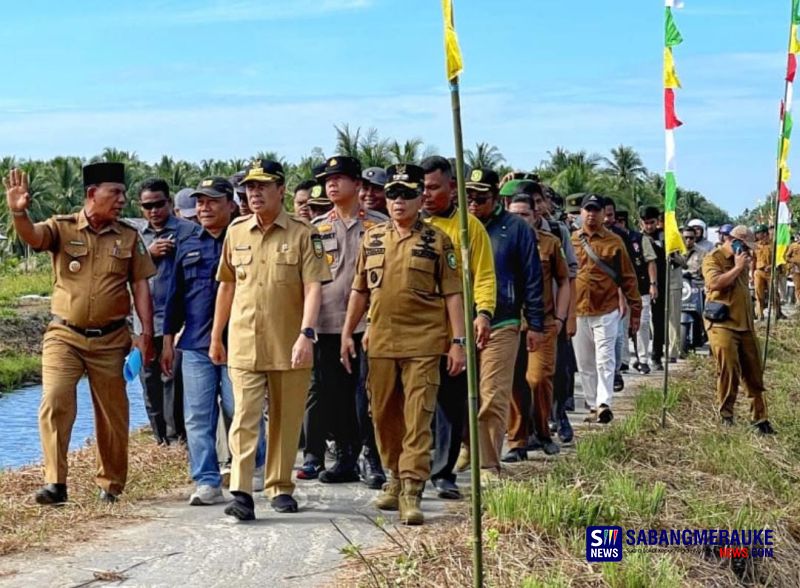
(202, 382)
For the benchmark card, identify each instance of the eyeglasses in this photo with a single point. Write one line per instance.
(402, 194)
(153, 205)
(478, 199)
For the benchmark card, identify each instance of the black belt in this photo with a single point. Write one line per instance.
(94, 331)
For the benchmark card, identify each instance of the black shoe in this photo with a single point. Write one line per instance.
(553, 426)
(51, 494)
(657, 365)
(242, 507)
(604, 414)
(515, 455)
(446, 489)
(370, 470)
(284, 503)
(619, 383)
(533, 443)
(624, 367)
(550, 448)
(107, 497)
(764, 428)
(565, 430)
(727, 421)
(342, 471)
(644, 369)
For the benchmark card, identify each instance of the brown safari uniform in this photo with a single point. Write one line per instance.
(407, 279)
(793, 259)
(542, 362)
(89, 335)
(763, 261)
(270, 270)
(733, 341)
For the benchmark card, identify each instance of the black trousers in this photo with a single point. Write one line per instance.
(564, 377)
(331, 405)
(163, 398)
(448, 422)
(657, 320)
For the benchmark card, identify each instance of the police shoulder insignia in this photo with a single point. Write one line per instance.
(452, 262)
(240, 219)
(316, 242)
(324, 228)
(368, 224)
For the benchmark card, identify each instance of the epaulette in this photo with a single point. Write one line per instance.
(240, 219)
(66, 217)
(300, 221)
(129, 224)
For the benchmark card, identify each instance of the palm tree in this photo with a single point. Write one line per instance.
(374, 151)
(408, 152)
(347, 141)
(485, 156)
(64, 184)
(575, 178)
(626, 166)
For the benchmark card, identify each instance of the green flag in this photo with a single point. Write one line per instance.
(672, 35)
(787, 124)
(795, 11)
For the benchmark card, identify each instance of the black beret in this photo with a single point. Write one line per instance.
(97, 173)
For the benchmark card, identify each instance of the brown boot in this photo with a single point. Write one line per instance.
(388, 499)
(410, 512)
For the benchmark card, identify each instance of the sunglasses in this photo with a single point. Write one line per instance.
(153, 205)
(478, 199)
(402, 194)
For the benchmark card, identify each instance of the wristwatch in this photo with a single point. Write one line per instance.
(462, 341)
(310, 333)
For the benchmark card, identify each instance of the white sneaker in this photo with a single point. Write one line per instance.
(205, 495)
(258, 479)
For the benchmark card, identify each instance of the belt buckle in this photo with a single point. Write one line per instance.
(93, 332)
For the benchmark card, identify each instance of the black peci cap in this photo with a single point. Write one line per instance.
(97, 173)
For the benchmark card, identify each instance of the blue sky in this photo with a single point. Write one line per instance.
(200, 79)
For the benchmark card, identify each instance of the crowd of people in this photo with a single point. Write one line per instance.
(338, 326)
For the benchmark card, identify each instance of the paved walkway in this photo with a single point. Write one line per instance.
(201, 546)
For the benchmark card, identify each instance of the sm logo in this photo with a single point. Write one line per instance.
(603, 544)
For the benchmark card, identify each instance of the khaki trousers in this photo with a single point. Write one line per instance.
(286, 403)
(762, 282)
(738, 358)
(796, 282)
(541, 369)
(66, 356)
(520, 409)
(402, 396)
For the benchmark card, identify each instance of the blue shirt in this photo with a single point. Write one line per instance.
(177, 229)
(193, 290)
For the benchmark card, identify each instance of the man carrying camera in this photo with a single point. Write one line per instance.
(731, 330)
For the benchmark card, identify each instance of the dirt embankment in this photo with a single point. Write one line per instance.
(23, 332)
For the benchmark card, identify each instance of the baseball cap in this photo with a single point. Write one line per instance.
(263, 170)
(592, 201)
(483, 180)
(237, 181)
(759, 229)
(742, 233)
(214, 187)
(340, 164)
(726, 229)
(405, 174)
(185, 203)
(375, 175)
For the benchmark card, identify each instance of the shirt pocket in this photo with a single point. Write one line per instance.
(421, 274)
(374, 270)
(286, 270)
(242, 262)
(75, 258)
(120, 261)
(194, 268)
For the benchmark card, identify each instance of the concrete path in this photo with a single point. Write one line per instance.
(210, 550)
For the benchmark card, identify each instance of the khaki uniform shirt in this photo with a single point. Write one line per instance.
(270, 270)
(92, 269)
(341, 240)
(793, 258)
(595, 291)
(736, 296)
(694, 261)
(407, 279)
(763, 257)
(554, 269)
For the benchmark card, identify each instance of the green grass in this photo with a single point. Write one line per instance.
(17, 368)
(643, 570)
(13, 285)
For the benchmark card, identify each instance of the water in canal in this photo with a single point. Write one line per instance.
(19, 427)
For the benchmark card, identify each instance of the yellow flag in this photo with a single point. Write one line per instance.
(670, 77)
(672, 235)
(785, 145)
(786, 175)
(452, 52)
(795, 44)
